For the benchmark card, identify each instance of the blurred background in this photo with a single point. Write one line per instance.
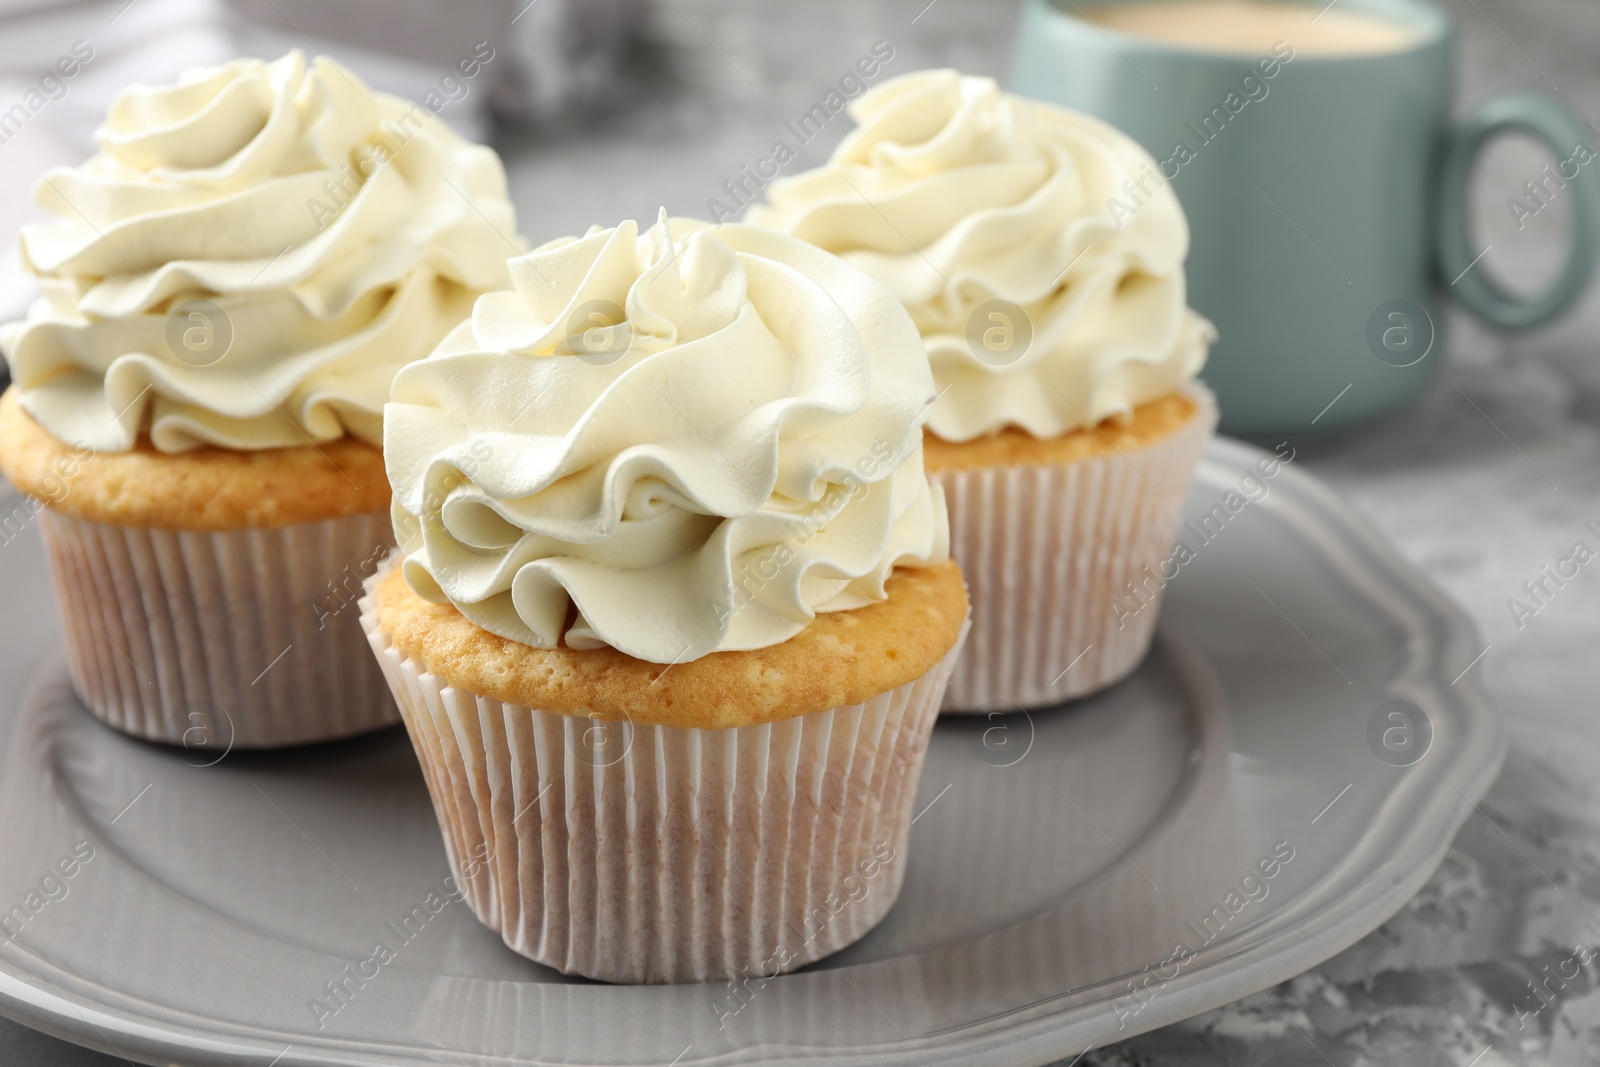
(610, 109)
(605, 109)
(549, 59)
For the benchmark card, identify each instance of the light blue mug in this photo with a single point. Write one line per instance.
(1327, 202)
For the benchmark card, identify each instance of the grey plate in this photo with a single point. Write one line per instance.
(1057, 864)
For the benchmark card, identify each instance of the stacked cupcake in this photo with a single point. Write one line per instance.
(674, 607)
(1044, 270)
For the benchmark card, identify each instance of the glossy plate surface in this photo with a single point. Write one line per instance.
(1275, 781)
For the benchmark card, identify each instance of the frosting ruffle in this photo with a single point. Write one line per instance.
(251, 256)
(675, 442)
(1039, 250)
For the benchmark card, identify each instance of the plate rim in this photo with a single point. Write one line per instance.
(1300, 945)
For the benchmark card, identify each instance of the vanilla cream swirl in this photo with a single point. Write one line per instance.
(969, 204)
(249, 258)
(671, 443)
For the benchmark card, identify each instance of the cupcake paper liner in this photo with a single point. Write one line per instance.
(240, 638)
(669, 854)
(1049, 551)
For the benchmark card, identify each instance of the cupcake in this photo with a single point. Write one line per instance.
(675, 612)
(229, 287)
(1040, 253)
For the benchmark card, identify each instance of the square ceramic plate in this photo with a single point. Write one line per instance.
(1282, 773)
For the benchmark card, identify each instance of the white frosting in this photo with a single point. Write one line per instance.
(334, 233)
(954, 194)
(673, 443)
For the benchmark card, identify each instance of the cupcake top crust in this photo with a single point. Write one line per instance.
(671, 443)
(1040, 251)
(208, 489)
(840, 658)
(252, 254)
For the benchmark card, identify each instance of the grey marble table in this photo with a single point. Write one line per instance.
(1486, 481)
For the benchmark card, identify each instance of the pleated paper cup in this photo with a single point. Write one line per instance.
(240, 638)
(1048, 551)
(669, 854)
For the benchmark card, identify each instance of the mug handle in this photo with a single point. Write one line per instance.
(1556, 125)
